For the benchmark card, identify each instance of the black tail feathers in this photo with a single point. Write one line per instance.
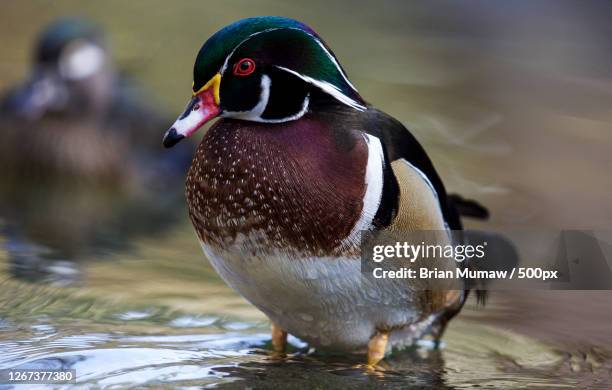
(468, 207)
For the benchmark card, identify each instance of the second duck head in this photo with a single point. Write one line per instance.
(72, 73)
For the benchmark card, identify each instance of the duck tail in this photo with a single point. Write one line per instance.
(468, 207)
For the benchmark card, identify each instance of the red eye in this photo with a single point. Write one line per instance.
(244, 67)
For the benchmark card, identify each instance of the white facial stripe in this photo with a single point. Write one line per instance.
(293, 117)
(373, 195)
(225, 63)
(81, 60)
(325, 50)
(256, 112)
(328, 88)
(331, 57)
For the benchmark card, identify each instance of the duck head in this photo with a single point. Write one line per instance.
(72, 72)
(262, 69)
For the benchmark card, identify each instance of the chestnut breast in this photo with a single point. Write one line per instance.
(296, 186)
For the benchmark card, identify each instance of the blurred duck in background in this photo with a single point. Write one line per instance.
(80, 164)
(77, 115)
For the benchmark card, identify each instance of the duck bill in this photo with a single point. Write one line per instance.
(203, 107)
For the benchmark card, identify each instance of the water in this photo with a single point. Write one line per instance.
(511, 114)
(139, 318)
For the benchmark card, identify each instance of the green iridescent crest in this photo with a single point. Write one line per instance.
(275, 41)
(215, 50)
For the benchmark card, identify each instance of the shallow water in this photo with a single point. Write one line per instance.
(511, 114)
(136, 318)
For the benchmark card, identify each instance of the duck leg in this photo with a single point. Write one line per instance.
(377, 347)
(279, 338)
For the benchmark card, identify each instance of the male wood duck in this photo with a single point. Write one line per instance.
(78, 116)
(297, 166)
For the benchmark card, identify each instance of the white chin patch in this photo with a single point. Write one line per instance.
(81, 60)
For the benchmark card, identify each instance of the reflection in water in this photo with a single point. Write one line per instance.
(52, 327)
(49, 230)
(512, 101)
(236, 359)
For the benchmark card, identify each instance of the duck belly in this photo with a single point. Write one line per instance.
(325, 301)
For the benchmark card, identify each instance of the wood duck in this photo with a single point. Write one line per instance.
(78, 116)
(297, 166)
